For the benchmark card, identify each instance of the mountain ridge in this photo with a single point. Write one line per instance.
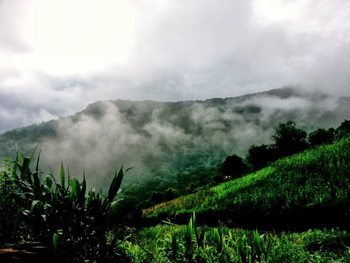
(161, 137)
(283, 92)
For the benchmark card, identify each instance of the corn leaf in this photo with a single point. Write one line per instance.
(75, 188)
(81, 198)
(35, 204)
(62, 176)
(37, 162)
(115, 185)
(56, 240)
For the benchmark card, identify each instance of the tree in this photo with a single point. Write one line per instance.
(234, 166)
(343, 130)
(288, 139)
(321, 136)
(260, 156)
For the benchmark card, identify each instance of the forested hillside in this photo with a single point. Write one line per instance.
(163, 138)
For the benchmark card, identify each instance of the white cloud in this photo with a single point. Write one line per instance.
(62, 54)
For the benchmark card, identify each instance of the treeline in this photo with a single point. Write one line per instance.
(287, 140)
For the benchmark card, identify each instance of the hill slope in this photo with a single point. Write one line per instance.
(312, 187)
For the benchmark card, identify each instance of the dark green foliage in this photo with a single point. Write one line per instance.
(116, 183)
(8, 208)
(288, 139)
(234, 166)
(321, 136)
(260, 156)
(165, 186)
(326, 240)
(343, 130)
(61, 215)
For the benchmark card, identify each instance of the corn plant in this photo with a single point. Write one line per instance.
(217, 245)
(174, 248)
(63, 214)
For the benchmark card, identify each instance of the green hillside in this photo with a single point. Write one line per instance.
(300, 187)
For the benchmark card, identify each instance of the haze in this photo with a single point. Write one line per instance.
(58, 56)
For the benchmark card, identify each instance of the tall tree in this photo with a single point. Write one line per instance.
(321, 136)
(260, 156)
(343, 130)
(234, 166)
(288, 139)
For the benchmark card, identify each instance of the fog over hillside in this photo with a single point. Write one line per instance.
(58, 56)
(154, 136)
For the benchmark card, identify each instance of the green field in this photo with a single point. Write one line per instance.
(316, 180)
(171, 243)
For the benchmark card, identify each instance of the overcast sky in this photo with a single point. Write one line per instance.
(57, 56)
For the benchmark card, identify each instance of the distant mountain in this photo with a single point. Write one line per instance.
(166, 137)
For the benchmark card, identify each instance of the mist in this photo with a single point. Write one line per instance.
(57, 58)
(168, 137)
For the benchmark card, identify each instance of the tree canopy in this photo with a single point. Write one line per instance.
(288, 139)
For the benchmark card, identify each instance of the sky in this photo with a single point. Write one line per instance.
(58, 56)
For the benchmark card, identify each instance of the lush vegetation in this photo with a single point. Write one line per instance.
(288, 139)
(206, 171)
(191, 243)
(307, 187)
(61, 214)
(316, 180)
